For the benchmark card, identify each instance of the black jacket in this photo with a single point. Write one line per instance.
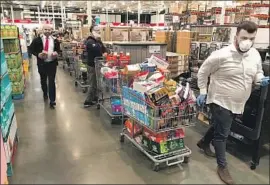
(36, 47)
(94, 48)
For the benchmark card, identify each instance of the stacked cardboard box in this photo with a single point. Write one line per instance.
(178, 64)
(165, 37)
(85, 32)
(183, 42)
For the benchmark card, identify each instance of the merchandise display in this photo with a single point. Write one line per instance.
(146, 78)
(8, 119)
(13, 58)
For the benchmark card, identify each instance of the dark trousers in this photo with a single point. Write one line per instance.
(219, 131)
(92, 90)
(47, 72)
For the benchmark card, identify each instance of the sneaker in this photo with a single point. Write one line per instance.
(206, 148)
(224, 175)
(88, 104)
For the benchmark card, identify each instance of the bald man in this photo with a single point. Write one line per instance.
(46, 49)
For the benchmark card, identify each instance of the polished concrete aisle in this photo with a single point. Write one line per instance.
(75, 145)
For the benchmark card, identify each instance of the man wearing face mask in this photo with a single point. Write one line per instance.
(46, 49)
(94, 48)
(232, 71)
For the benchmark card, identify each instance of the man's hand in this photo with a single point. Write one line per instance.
(54, 55)
(42, 56)
(265, 81)
(201, 99)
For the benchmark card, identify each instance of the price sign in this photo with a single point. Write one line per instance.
(154, 49)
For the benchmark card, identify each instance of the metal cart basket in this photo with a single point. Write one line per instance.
(149, 122)
(80, 80)
(67, 52)
(108, 90)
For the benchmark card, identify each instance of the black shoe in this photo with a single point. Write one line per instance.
(88, 104)
(224, 175)
(45, 97)
(206, 148)
(52, 105)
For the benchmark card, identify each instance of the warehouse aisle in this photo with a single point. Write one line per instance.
(71, 145)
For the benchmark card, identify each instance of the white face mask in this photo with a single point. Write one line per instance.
(245, 45)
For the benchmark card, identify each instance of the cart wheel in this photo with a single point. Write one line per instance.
(112, 121)
(70, 73)
(84, 90)
(76, 84)
(122, 138)
(156, 167)
(253, 166)
(64, 67)
(186, 160)
(98, 106)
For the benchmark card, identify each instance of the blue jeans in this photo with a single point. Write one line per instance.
(219, 131)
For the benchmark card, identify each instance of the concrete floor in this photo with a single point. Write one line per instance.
(75, 145)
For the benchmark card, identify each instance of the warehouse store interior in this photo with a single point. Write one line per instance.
(126, 92)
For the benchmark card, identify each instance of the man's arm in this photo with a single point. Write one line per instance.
(259, 74)
(209, 66)
(34, 46)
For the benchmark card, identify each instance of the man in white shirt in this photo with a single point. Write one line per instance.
(46, 49)
(232, 71)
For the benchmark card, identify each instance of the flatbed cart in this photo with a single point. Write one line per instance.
(108, 90)
(167, 122)
(79, 79)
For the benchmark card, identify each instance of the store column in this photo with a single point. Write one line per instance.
(39, 21)
(89, 12)
(12, 14)
(139, 12)
(222, 16)
(62, 14)
(53, 16)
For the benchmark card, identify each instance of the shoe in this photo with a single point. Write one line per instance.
(88, 104)
(52, 105)
(45, 97)
(225, 175)
(206, 148)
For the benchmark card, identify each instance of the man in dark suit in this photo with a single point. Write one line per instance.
(46, 49)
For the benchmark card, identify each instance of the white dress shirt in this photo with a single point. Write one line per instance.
(231, 77)
(50, 49)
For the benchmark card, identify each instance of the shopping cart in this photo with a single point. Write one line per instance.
(108, 88)
(80, 73)
(157, 131)
(68, 56)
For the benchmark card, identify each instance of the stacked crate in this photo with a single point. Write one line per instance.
(178, 64)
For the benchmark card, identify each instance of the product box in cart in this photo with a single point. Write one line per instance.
(164, 146)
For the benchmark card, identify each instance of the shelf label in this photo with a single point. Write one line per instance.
(154, 49)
